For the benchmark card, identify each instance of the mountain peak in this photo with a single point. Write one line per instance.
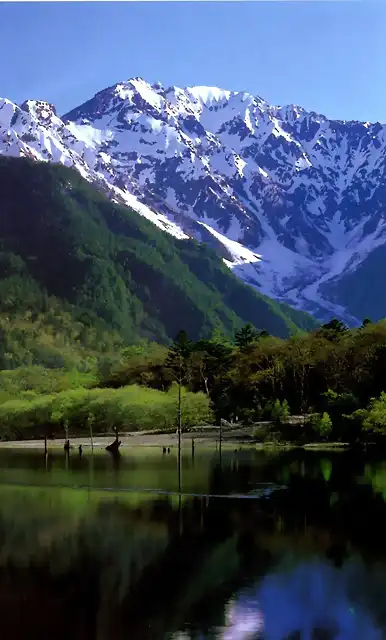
(292, 201)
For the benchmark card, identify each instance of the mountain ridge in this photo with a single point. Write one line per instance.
(292, 201)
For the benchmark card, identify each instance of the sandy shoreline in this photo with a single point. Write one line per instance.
(155, 440)
(129, 440)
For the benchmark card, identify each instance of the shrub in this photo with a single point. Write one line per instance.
(374, 418)
(128, 408)
(43, 381)
(322, 425)
(280, 411)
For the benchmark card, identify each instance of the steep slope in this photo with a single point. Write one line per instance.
(61, 237)
(291, 200)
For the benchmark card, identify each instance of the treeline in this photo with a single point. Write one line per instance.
(327, 385)
(333, 379)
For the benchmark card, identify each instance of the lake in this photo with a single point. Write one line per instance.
(277, 546)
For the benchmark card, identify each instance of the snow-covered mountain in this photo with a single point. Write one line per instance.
(293, 201)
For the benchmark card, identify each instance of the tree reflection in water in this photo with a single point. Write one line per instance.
(306, 562)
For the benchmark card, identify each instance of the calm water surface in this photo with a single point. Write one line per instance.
(97, 548)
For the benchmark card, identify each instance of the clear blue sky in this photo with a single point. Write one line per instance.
(326, 56)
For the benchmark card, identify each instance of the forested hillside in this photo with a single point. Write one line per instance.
(65, 246)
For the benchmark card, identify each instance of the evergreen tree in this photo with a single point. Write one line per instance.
(333, 330)
(246, 336)
(179, 352)
(178, 361)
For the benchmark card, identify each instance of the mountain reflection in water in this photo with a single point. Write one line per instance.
(305, 562)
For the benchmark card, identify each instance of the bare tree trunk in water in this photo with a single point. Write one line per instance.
(67, 440)
(220, 444)
(114, 446)
(90, 421)
(179, 424)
